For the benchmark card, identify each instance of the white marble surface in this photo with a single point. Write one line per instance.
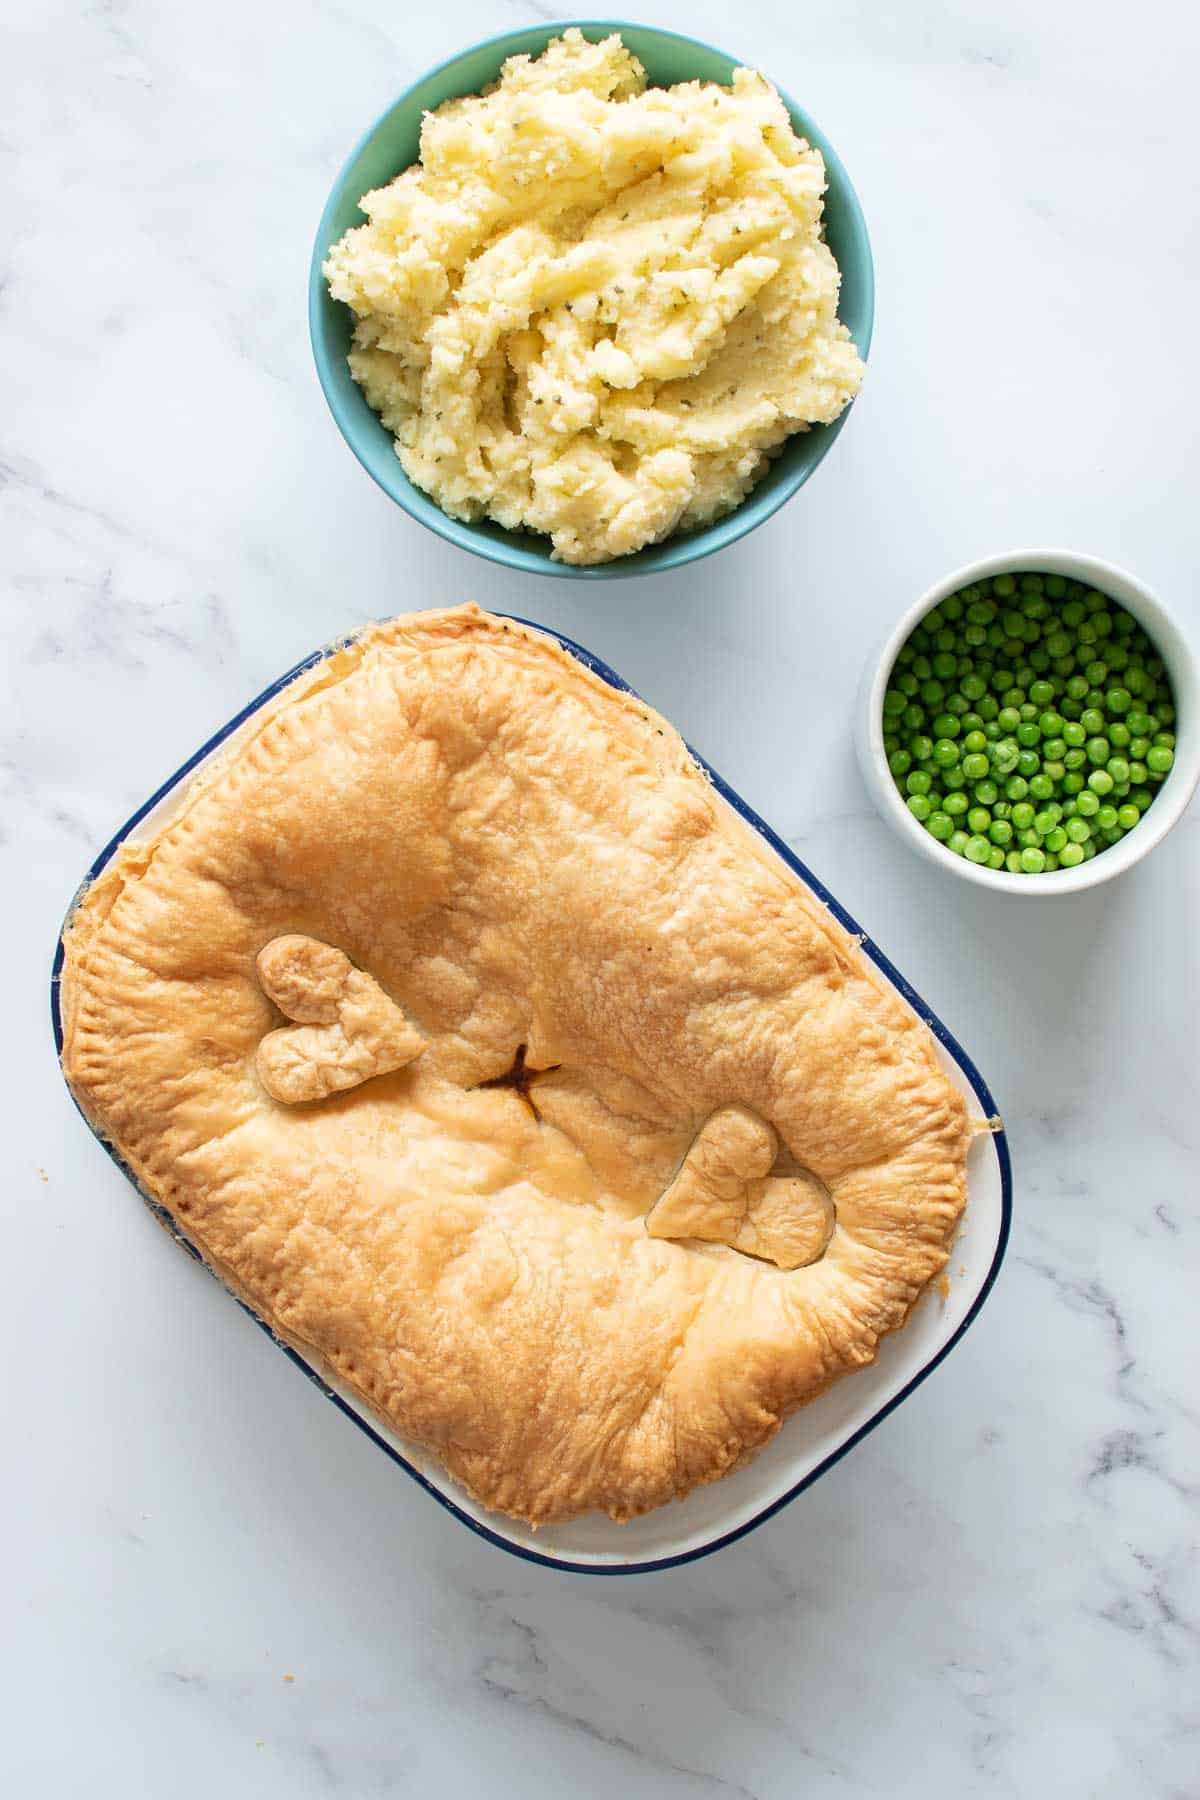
(212, 1583)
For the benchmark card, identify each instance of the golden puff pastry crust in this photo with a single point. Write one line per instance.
(420, 1006)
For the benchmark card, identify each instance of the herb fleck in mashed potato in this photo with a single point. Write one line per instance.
(593, 309)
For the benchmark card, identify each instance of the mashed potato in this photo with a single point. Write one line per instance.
(593, 309)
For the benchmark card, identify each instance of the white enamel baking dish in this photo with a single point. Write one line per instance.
(814, 1438)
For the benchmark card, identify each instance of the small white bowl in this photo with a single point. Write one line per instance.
(1169, 802)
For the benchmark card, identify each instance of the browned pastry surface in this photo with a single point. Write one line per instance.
(432, 1164)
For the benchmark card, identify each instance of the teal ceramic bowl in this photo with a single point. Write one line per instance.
(392, 144)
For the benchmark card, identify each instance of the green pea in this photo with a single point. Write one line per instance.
(1033, 860)
(1028, 716)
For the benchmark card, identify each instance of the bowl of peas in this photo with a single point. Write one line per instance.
(1031, 724)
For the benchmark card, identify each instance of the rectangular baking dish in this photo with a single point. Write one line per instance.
(814, 1438)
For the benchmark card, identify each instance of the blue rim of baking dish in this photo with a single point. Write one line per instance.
(945, 1037)
(527, 551)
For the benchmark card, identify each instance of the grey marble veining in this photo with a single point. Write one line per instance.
(212, 1583)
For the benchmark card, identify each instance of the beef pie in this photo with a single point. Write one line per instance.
(480, 1046)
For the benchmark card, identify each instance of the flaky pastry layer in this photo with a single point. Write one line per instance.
(518, 856)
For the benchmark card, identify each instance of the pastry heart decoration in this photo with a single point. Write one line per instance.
(725, 1193)
(345, 1027)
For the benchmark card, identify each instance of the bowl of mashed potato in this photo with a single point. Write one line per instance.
(591, 299)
